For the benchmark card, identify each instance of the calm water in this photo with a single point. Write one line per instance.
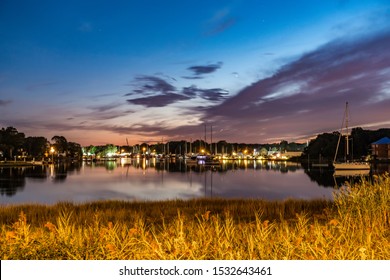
(150, 180)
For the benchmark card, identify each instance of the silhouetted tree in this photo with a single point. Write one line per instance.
(61, 144)
(74, 150)
(283, 145)
(36, 146)
(10, 141)
(359, 143)
(324, 146)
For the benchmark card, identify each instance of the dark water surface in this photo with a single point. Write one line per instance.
(144, 179)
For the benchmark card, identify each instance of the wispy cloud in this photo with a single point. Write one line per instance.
(219, 22)
(152, 91)
(4, 102)
(192, 77)
(310, 91)
(199, 70)
(150, 85)
(158, 92)
(221, 26)
(158, 100)
(105, 107)
(213, 94)
(104, 111)
(39, 86)
(103, 95)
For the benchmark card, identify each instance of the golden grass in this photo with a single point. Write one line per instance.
(356, 225)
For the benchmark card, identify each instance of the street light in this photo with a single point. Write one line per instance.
(52, 154)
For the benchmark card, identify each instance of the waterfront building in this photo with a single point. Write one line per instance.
(381, 149)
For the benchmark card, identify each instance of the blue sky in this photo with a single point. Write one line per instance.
(99, 72)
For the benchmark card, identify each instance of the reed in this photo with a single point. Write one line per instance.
(161, 211)
(355, 225)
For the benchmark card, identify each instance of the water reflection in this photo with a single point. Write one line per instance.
(12, 180)
(329, 179)
(153, 179)
(181, 166)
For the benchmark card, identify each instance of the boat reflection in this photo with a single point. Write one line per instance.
(327, 177)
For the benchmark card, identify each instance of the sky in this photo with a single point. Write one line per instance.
(99, 72)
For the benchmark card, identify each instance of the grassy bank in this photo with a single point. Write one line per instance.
(356, 225)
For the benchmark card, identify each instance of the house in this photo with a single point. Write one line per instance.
(381, 149)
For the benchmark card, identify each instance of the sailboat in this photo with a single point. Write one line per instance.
(348, 165)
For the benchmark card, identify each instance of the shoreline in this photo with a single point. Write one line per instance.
(295, 160)
(21, 163)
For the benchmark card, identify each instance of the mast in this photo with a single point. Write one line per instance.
(346, 128)
(211, 139)
(205, 137)
(345, 118)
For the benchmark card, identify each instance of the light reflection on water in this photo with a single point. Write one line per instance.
(144, 179)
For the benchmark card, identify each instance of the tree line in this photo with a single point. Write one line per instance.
(360, 140)
(15, 145)
(198, 146)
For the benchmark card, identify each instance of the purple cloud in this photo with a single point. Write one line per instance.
(192, 77)
(204, 69)
(158, 92)
(150, 85)
(158, 100)
(213, 94)
(309, 93)
(106, 107)
(4, 102)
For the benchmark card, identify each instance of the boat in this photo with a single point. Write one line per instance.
(208, 160)
(351, 172)
(351, 165)
(347, 164)
(192, 160)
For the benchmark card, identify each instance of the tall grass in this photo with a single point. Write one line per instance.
(356, 225)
